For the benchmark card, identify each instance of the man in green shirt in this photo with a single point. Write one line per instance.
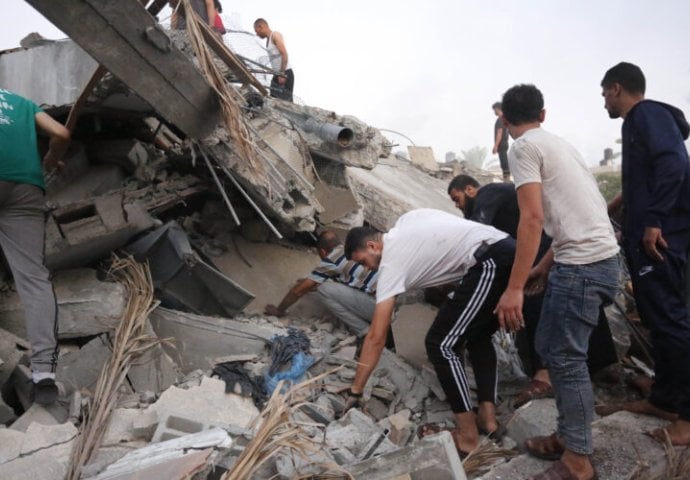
(22, 227)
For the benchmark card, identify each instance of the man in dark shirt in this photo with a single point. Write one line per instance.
(655, 199)
(501, 141)
(496, 204)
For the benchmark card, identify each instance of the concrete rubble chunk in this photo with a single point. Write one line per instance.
(354, 432)
(209, 402)
(50, 415)
(423, 157)
(154, 370)
(81, 369)
(200, 339)
(10, 444)
(533, 419)
(434, 457)
(395, 187)
(47, 464)
(38, 437)
(125, 425)
(170, 459)
(83, 232)
(86, 306)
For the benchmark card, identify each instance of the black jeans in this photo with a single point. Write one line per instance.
(283, 92)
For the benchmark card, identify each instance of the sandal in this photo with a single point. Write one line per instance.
(437, 427)
(546, 448)
(557, 471)
(534, 389)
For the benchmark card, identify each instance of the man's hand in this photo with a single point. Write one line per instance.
(653, 241)
(494, 150)
(50, 163)
(282, 79)
(273, 310)
(354, 400)
(509, 309)
(536, 281)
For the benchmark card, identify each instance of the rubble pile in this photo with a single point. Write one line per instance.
(222, 239)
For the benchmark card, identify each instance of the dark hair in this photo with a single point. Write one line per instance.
(260, 21)
(218, 6)
(327, 241)
(497, 105)
(522, 104)
(629, 76)
(357, 238)
(461, 182)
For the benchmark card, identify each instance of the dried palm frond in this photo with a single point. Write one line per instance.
(276, 432)
(485, 455)
(677, 466)
(230, 99)
(129, 342)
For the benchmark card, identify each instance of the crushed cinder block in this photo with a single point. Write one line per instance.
(354, 432)
(86, 306)
(176, 426)
(533, 419)
(209, 402)
(200, 339)
(121, 426)
(144, 425)
(400, 427)
(434, 457)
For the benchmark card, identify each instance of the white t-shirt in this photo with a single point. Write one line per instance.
(575, 213)
(429, 247)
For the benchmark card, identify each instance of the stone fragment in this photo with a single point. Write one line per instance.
(10, 444)
(82, 368)
(353, 432)
(533, 419)
(38, 437)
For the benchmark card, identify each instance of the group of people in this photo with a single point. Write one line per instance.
(542, 254)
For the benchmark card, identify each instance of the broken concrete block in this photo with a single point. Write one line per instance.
(533, 419)
(434, 457)
(86, 306)
(39, 437)
(83, 232)
(121, 426)
(144, 425)
(44, 415)
(82, 368)
(395, 187)
(200, 339)
(176, 426)
(423, 157)
(46, 464)
(354, 432)
(400, 427)
(178, 458)
(154, 370)
(209, 402)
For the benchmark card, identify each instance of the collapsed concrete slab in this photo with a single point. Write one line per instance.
(47, 464)
(80, 233)
(80, 369)
(199, 340)
(395, 187)
(86, 305)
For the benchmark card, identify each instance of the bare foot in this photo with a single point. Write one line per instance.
(486, 417)
(640, 406)
(465, 441)
(643, 383)
(678, 432)
(579, 465)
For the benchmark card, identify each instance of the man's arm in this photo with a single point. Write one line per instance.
(59, 139)
(615, 204)
(497, 140)
(509, 308)
(280, 45)
(211, 12)
(374, 343)
(300, 289)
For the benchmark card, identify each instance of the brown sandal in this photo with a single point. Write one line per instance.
(557, 471)
(546, 448)
(534, 389)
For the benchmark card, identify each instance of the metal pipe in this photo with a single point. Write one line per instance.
(330, 132)
(251, 202)
(220, 187)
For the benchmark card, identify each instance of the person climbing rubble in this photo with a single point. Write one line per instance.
(427, 248)
(283, 81)
(22, 227)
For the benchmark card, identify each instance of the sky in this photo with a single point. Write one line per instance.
(431, 70)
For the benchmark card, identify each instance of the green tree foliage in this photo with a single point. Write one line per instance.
(609, 184)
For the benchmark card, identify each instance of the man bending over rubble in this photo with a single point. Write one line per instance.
(345, 287)
(22, 228)
(427, 248)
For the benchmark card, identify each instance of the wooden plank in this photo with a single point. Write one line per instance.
(117, 33)
(230, 59)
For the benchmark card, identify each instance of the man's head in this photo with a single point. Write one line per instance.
(523, 104)
(622, 87)
(261, 28)
(462, 189)
(326, 242)
(498, 109)
(364, 245)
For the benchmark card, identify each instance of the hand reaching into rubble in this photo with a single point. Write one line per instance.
(354, 400)
(273, 310)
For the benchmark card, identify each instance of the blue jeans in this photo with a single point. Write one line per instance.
(574, 296)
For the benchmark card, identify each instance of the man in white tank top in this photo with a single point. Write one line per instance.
(283, 81)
